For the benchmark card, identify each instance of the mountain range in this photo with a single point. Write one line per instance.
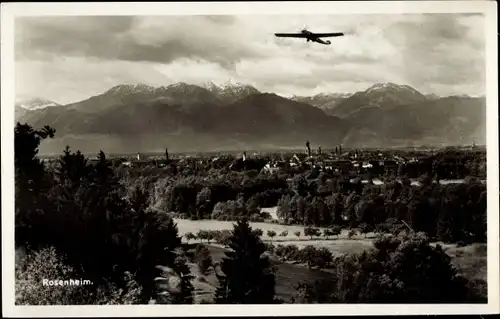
(185, 117)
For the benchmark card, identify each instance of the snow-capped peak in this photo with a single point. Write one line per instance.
(131, 88)
(35, 103)
(230, 90)
(209, 85)
(182, 87)
(392, 87)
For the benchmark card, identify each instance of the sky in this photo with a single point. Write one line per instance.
(70, 58)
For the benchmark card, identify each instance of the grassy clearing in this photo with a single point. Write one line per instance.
(193, 226)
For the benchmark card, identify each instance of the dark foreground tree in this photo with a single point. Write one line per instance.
(247, 275)
(31, 182)
(396, 271)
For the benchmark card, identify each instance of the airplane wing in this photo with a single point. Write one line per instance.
(291, 35)
(322, 35)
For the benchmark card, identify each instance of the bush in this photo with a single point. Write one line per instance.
(270, 247)
(49, 265)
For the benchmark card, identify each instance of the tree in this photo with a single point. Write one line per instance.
(388, 274)
(335, 230)
(284, 233)
(283, 210)
(259, 232)
(351, 233)
(327, 232)
(189, 236)
(204, 204)
(203, 259)
(308, 255)
(202, 234)
(297, 233)
(271, 234)
(223, 237)
(310, 231)
(174, 283)
(31, 182)
(247, 276)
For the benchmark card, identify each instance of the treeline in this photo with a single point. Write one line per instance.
(449, 213)
(221, 196)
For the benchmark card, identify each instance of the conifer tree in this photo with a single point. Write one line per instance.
(185, 295)
(31, 181)
(248, 277)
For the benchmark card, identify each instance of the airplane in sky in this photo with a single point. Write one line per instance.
(310, 36)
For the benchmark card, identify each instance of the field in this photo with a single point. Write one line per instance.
(470, 261)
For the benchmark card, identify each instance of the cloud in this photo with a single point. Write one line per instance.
(435, 53)
(137, 39)
(439, 49)
(75, 78)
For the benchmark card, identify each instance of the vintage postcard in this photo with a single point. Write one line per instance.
(245, 159)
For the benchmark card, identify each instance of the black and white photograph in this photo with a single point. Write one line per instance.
(261, 155)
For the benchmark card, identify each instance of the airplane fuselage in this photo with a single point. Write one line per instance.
(311, 37)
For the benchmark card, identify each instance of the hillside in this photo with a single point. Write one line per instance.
(325, 101)
(188, 117)
(449, 120)
(383, 95)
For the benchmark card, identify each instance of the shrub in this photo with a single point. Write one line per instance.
(270, 247)
(48, 264)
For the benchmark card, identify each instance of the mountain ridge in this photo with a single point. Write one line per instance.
(181, 113)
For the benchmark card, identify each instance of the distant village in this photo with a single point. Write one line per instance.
(350, 164)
